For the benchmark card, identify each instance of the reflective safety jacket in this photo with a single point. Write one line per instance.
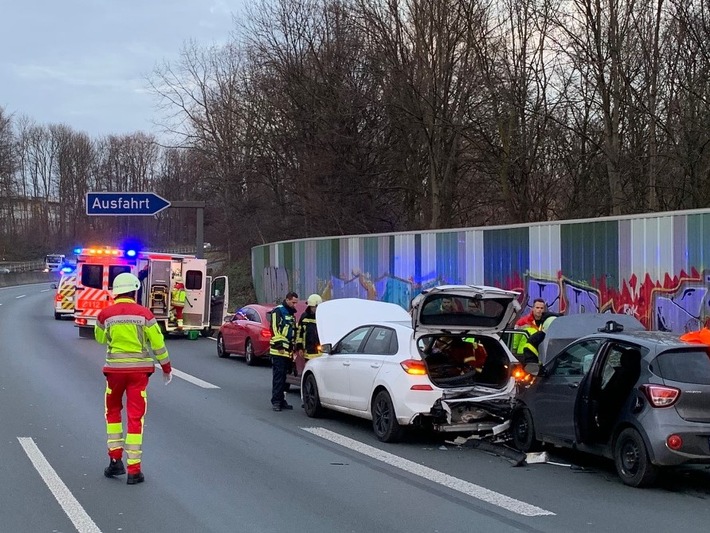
(530, 354)
(283, 330)
(178, 296)
(521, 340)
(130, 332)
(307, 334)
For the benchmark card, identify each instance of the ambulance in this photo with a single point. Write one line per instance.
(206, 298)
(64, 297)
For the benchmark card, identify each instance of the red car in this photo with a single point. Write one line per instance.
(246, 333)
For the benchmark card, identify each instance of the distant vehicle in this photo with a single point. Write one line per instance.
(53, 262)
(397, 370)
(64, 297)
(641, 398)
(4, 270)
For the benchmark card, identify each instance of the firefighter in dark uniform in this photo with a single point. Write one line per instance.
(283, 339)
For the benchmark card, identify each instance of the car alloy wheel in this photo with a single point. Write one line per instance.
(631, 459)
(249, 353)
(311, 400)
(221, 352)
(384, 419)
(523, 431)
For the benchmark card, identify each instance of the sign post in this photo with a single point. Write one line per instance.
(142, 204)
(124, 203)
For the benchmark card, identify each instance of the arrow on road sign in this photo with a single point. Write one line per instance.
(124, 203)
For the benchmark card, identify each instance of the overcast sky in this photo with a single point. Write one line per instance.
(83, 62)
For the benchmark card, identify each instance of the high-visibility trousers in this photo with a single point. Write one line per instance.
(133, 385)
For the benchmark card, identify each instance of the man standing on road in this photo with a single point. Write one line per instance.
(130, 332)
(283, 336)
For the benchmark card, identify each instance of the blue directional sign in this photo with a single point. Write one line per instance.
(124, 203)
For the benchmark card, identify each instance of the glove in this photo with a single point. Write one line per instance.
(167, 378)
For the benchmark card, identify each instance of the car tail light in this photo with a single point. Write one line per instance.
(80, 321)
(414, 367)
(265, 333)
(58, 298)
(421, 387)
(520, 375)
(674, 442)
(660, 396)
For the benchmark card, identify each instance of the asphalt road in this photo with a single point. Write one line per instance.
(217, 459)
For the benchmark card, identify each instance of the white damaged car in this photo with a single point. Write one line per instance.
(442, 366)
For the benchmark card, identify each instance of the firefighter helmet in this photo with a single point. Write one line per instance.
(314, 300)
(125, 282)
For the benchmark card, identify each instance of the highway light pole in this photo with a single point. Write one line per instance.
(200, 233)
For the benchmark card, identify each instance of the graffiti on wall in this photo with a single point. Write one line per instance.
(679, 304)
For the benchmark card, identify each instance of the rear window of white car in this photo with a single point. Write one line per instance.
(446, 310)
(691, 366)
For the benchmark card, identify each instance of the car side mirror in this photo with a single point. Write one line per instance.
(326, 348)
(53, 285)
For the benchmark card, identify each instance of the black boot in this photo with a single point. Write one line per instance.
(135, 478)
(115, 468)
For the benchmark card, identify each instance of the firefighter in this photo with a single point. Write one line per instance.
(477, 355)
(283, 336)
(130, 332)
(177, 300)
(307, 335)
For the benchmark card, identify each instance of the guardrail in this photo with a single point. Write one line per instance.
(25, 278)
(22, 266)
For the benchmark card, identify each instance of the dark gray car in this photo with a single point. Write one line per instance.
(641, 398)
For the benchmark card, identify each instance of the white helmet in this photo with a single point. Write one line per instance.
(314, 300)
(125, 282)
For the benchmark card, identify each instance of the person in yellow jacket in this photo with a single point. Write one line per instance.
(130, 333)
(307, 332)
(281, 346)
(178, 296)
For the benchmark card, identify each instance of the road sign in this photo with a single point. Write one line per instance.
(124, 203)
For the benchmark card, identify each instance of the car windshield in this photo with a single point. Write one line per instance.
(684, 366)
(446, 310)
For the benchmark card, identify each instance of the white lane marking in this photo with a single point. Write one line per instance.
(192, 379)
(20, 296)
(73, 509)
(469, 489)
(45, 290)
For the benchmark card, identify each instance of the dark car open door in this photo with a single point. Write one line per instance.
(556, 392)
(587, 405)
(605, 389)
